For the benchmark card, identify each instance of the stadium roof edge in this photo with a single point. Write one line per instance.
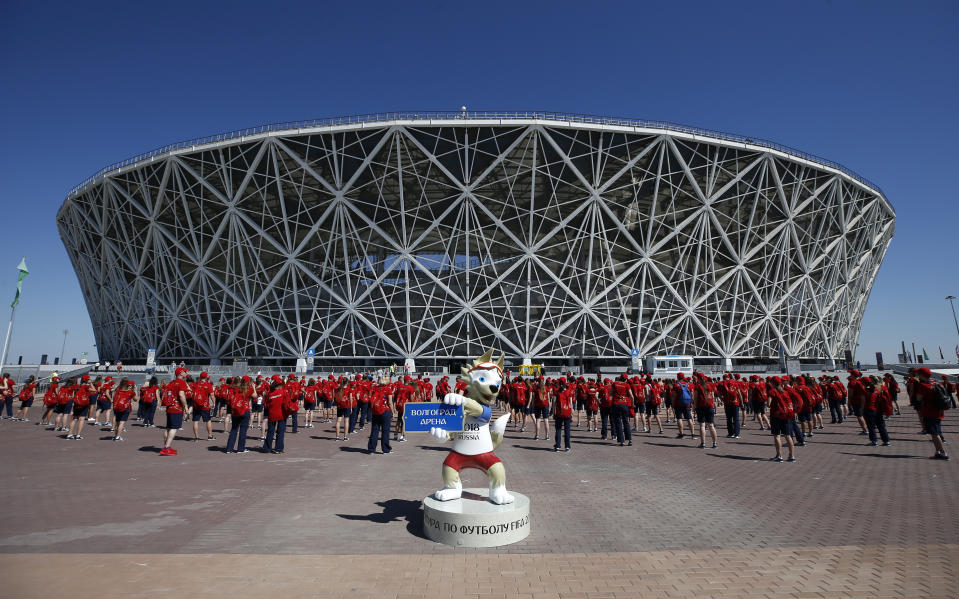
(475, 118)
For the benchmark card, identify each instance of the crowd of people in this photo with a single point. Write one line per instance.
(792, 408)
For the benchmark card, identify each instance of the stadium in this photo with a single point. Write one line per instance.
(559, 239)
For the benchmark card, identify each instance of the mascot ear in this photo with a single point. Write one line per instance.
(464, 371)
(500, 361)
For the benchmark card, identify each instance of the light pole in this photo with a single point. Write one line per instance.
(954, 319)
(64, 346)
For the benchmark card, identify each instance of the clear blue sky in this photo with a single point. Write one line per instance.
(872, 85)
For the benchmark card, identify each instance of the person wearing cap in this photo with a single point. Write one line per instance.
(122, 403)
(174, 401)
(855, 397)
(276, 414)
(401, 393)
(65, 404)
(345, 402)
(653, 397)
(757, 401)
(7, 389)
(781, 416)
(519, 398)
(202, 395)
(705, 401)
(876, 406)
(150, 399)
(541, 395)
(104, 402)
(382, 408)
(360, 411)
(622, 396)
(238, 406)
(81, 407)
(563, 399)
(26, 399)
(892, 388)
(260, 390)
(729, 394)
(682, 397)
(931, 414)
(50, 401)
(591, 404)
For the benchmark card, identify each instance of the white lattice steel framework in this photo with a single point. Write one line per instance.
(548, 236)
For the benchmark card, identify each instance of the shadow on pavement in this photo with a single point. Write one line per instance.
(730, 456)
(395, 510)
(150, 448)
(434, 448)
(535, 448)
(883, 455)
(674, 445)
(353, 449)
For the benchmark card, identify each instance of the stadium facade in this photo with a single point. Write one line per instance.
(555, 238)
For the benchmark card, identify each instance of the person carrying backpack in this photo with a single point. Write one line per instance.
(381, 421)
(933, 402)
(682, 401)
(781, 416)
(563, 412)
(238, 404)
(876, 406)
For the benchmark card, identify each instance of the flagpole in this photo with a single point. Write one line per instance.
(22, 272)
(6, 341)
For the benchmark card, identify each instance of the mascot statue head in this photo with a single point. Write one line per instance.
(484, 378)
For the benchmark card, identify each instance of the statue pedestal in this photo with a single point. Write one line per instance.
(473, 521)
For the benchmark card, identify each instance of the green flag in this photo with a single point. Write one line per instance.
(22, 267)
(925, 355)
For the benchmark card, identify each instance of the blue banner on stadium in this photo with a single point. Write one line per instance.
(421, 417)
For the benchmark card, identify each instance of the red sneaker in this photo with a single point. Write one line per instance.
(165, 451)
(172, 451)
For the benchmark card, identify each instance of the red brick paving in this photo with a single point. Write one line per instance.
(643, 505)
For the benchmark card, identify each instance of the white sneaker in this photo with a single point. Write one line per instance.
(70, 437)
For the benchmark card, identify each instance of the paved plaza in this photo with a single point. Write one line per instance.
(662, 518)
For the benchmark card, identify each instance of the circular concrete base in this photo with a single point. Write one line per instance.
(474, 521)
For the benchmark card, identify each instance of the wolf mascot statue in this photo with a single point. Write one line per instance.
(473, 447)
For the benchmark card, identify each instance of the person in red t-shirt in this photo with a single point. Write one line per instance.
(781, 416)
(202, 406)
(705, 401)
(173, 399)
(50, 401)
(382, 408)
(277, 411)
(892, 387)
(81, 407)
(757, 401)
(729, 393)
(238, 404)
(401, 395)
(563, 400)
(7, 389)
(65, 404)
(345, 402)
(26, 399)
(591, 404)
(104, 402)
(150, 399)
(122, 403)
(540, 398)
(622, 398)
(931, 414)
(519, 396)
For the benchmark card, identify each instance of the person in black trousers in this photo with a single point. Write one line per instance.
(382, 407)
(562, 412)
